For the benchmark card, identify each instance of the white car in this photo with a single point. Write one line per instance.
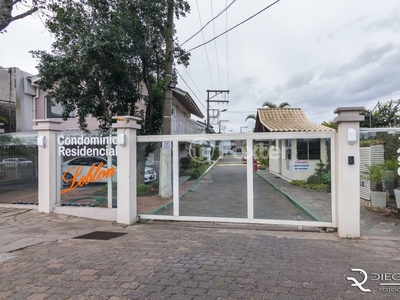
(149, 174)
(87, 161)
(16, 162)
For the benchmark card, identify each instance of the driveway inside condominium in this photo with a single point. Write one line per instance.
(222, 192)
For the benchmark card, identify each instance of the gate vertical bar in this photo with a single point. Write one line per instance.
(250, 179)
(348, 171)
(126, 176)
(175, 170)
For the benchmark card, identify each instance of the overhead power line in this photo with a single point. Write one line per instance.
(202, 28)
(237, 25)
(190, 88)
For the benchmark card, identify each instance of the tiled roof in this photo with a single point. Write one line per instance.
(186, 100)
(285, 119)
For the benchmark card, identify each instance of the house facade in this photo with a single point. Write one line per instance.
(21, 102)
(293, 159)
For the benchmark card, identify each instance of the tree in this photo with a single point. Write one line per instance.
(104, 51)
(384, 115)
(269, 105)
(273, 105)
(252, 116)
(330, 124)
(27, 8)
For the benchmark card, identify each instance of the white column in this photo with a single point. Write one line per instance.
(126, 174)
(47, 156)
(348, 175)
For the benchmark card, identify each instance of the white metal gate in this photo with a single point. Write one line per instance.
(217, 194)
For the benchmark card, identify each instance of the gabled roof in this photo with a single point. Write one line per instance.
(285, 119)
(187, 101)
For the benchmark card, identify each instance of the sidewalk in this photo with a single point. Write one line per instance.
(174, 260)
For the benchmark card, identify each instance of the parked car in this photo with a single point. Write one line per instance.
(149, 174)
(244, 158)
(8, 162)
(87, 161)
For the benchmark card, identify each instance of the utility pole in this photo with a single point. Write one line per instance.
(169, 58)
(217, 92)
(166, 150)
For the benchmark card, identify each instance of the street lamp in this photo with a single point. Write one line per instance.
(219, 120)
(370, 115)
(242, 127)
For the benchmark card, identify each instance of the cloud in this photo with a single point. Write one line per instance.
(372, 74)
(370, 55)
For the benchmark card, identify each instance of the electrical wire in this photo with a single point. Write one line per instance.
(205, 48)
(202, 28)
(237, 25)
(227, 50)
(190, 88)
(215, 45)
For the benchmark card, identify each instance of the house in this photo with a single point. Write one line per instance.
(293, 159)
(21, 102)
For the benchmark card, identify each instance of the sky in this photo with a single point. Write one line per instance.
(316, 55)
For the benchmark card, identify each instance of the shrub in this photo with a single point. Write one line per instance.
(156, 185)
(141, 188)
(185, 163)
(216, 154)
(195, 174)
(320, 187)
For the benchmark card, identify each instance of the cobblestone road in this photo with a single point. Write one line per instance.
(194, 261)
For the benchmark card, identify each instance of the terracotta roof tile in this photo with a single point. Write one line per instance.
(287, 119)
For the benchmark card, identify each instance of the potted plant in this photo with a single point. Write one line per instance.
(376, 175)
(393, 179)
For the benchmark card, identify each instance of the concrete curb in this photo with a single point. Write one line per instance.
(190, 189)
(296, 203)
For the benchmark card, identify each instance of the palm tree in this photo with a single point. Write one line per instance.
(253, 117)
(273, 105)
(269, 105)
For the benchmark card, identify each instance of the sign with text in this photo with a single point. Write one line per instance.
(301, 165)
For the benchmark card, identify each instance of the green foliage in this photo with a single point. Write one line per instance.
(320, 187)
(330, 124)
(252, 116)
(319, 181)
(216, 154)
(104, 190)
(142, 188)
(104, 51)
(375, 174)
(384, 115)
(195, 174)
(273, 105)
(184, 163)
(263, 156)
(370, 142)
(156, 185)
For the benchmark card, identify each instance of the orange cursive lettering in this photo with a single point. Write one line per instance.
(95, 173)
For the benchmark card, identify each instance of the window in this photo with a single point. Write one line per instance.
(54, 110)
(309, 149)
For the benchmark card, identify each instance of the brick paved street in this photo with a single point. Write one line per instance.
(193, 261)
(222, 192)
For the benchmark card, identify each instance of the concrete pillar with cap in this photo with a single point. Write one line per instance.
(47, 156)
(126, 175)
(348, 171)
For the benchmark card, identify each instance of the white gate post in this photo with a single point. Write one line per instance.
(47, 156)
(348, 171)
(126, 173)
